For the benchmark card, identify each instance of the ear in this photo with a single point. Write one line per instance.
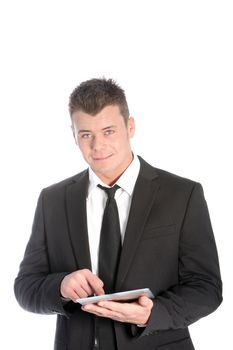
(131, 127)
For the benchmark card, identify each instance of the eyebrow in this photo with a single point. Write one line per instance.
(83, 130)
(106, 128)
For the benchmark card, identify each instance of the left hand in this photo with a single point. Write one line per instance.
(136, 312)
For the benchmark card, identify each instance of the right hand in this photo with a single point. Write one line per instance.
(81, 284)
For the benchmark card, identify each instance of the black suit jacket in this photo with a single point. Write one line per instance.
(168, 246)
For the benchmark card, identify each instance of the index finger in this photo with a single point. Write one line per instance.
(95, 283)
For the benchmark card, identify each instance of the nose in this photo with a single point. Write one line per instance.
(97, 143)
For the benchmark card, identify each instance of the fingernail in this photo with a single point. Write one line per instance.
(85, 307)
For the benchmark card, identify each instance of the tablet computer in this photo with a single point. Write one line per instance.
(120, 296)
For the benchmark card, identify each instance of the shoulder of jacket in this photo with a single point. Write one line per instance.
(61, 185)
(167, 177)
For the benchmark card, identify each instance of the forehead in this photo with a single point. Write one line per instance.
(108, 116)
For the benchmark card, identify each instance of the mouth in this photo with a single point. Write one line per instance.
(101, 158)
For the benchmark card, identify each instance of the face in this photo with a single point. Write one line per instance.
(104, 140)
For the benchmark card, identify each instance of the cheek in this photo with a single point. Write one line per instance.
(124, 145)
(83, 147)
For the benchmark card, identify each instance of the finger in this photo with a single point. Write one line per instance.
(113, 306)
(72, 294)
(95, 283)
(145, 301)
(102, 312)
(81, 292)
(82, 287)
(89, 282)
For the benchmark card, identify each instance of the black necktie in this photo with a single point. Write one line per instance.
(109, 253)
(110, 241)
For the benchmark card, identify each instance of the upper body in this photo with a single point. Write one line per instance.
(168, 244)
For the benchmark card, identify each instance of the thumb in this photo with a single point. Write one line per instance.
(145, 301)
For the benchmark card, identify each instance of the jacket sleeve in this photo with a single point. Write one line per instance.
(36, 288)
(199, 291)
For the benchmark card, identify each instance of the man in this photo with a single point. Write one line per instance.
(167, 243)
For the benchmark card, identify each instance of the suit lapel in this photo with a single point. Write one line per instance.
(144, 195)
(77, 220)
(145, 191)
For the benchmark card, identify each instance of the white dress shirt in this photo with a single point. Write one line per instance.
(96, 201)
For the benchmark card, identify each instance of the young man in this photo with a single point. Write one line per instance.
(165, 240)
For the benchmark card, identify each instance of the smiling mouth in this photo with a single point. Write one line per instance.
(101, 158)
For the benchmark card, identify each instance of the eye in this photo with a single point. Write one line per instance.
(109, 132)
(86, 136)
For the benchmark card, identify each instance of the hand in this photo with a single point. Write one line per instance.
(81, 284)
(136, 312)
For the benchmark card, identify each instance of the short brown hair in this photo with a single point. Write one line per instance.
(93, 95)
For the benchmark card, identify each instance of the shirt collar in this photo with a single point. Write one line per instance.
(126, 181)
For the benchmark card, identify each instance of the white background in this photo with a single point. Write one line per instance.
(174, 59)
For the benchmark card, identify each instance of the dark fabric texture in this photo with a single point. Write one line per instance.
(109, 254)
(168, 247)
(110, 241)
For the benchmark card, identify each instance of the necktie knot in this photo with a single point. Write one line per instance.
(109, 190)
